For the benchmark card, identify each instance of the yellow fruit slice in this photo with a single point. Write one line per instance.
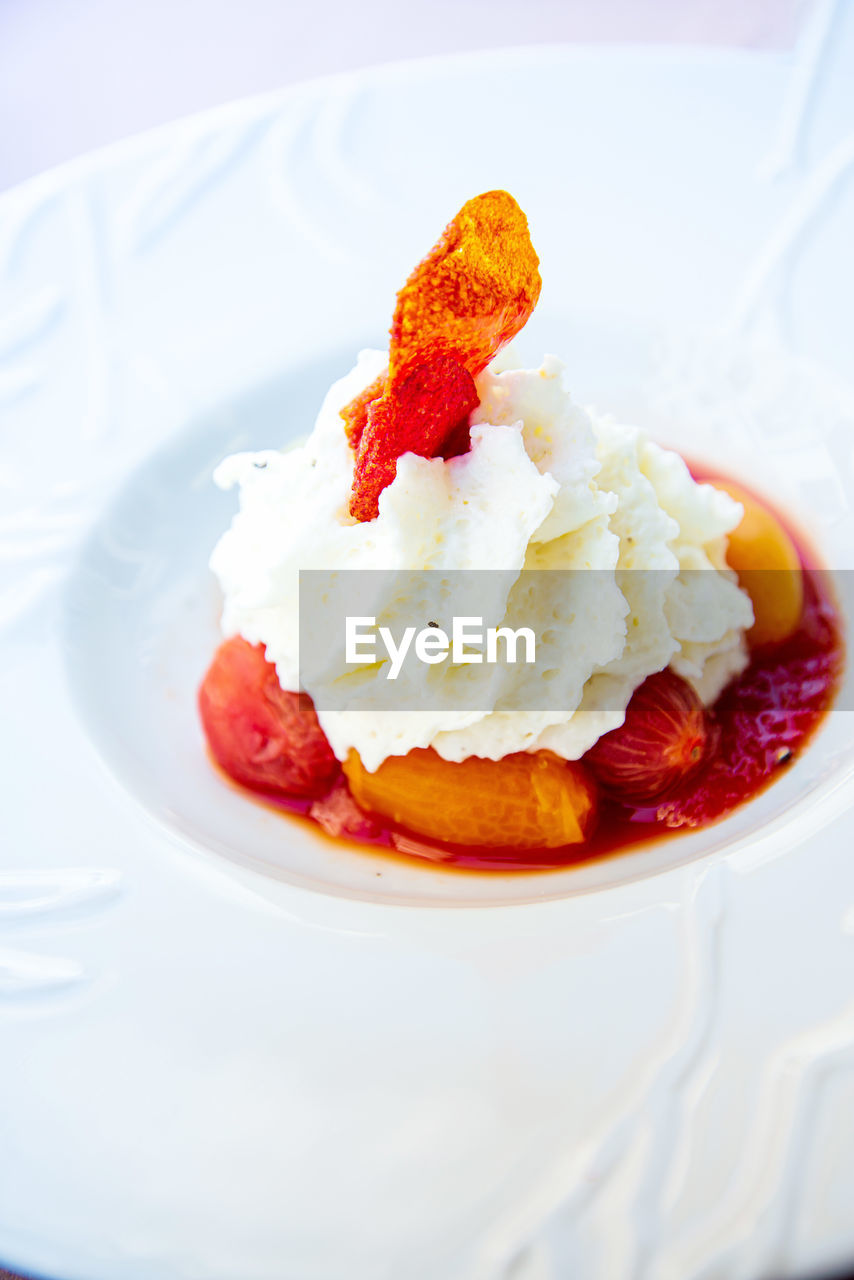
(521, 802)
(768, 567)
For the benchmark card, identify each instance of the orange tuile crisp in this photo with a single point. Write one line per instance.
(426, 402)
(473, 292)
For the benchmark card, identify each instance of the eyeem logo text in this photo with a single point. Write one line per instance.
(469, 641)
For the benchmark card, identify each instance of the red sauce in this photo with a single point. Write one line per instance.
(765, 719)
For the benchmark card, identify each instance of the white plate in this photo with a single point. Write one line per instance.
(231, 1048)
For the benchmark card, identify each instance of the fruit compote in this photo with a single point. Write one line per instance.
(674, 765)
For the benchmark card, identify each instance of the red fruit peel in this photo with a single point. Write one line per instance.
(473, 292)
(339, 815)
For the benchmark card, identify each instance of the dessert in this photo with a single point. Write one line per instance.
(686, 650)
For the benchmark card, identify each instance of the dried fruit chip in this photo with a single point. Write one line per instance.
(457, 442)
(424, 405)
(473, 292)
(475, 289)
(355, 414)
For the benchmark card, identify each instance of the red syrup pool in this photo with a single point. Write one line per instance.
(763, 722)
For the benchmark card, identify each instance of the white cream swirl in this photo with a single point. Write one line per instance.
(546, 485)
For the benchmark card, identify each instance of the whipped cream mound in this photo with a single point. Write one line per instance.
(546, 485)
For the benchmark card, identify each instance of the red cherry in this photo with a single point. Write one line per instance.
(665, 737)
(264, 737)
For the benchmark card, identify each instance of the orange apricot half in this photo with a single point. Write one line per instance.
(535, 801)
(769, 569)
